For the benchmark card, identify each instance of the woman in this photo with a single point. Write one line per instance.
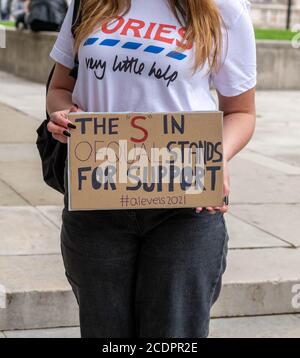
(46, 15)
(19, 11)
(152, 273)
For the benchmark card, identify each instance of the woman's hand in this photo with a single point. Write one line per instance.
(59, 124)
(226, 190)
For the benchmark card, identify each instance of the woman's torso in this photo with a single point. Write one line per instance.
(134, 65)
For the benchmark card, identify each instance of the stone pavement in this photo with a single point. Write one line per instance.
(275, 326)
(263, 274)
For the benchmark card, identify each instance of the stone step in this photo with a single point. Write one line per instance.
(262, 276)
(37, 293)
(260, 282)
(274, 326)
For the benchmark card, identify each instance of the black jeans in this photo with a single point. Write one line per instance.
(152, 273)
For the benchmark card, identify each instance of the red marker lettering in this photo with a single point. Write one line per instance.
(134, 125)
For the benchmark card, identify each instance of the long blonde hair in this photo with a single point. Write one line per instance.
(200, 18)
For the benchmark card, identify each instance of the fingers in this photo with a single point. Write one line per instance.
(57, 129)
(74, 109)
(211, 210)
(60, 138)
(60, 119)
(59, 133)
(226, 188)
(226, 191)
(224, 208)
(59, 124)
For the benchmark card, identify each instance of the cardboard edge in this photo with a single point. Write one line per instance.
(75, 114)
(222, 127)
(69, 176)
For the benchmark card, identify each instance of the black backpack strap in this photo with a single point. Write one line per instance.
(76, 16)
(74, 72)
(47, 86)
(75, 22)
(53, 153)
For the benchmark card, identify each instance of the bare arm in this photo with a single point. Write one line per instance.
(59, 103)
(60, 90)
(239, 121)
(238, 128)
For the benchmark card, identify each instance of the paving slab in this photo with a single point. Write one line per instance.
(277, 131)
(29, 272)
(277, 326)
(243, 235)
(20, 167)
(280, 220)
(10, 152)
(259, 282)
(26, 96)
(37, 293)
(25, 231)
(269, 264)
(278, 105)
(25, 177)
(277, 127)
(253, 183)
(53, 213)
(277, 142)
(67, 332)
(9, 197)
(276, 162)
(19, 128)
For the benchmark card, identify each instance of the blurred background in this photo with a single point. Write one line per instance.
(261, 291)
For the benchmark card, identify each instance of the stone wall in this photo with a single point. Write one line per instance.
(273, 13)
(27, 55)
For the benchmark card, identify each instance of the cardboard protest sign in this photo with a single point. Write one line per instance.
(145, 160)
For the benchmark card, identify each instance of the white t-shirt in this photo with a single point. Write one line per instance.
(132, 64)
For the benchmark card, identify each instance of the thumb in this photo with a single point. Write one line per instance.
(73, 109)
(226, 189)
